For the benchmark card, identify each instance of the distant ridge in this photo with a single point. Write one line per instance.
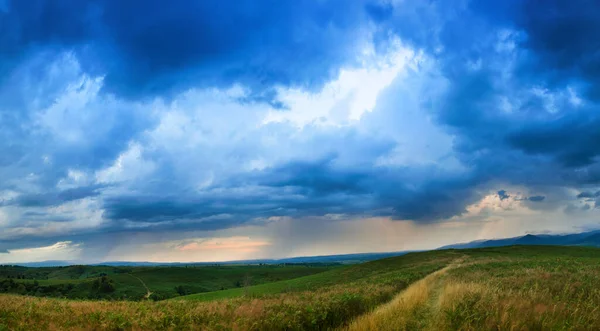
(340, 258)
(591, 238)
(49, 263)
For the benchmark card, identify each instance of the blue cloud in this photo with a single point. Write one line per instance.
(192, 43)
(505, 94)
(55, 198)
(569, 139)
(503, 195)
(500, 105)
(587, 194)
(536, 198)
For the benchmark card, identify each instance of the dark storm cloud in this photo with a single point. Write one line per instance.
(305, 189)
(49, 199)
(497, 144)
(526, 54)
(57, 198)
(571, 140)
(35, 216)
(536, 198)
(561, 38)
(487, 51)
(31, 26)
(146, 47)
(503, 195)
(587, 194)
(317, 178)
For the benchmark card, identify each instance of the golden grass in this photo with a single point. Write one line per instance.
(405, 312)
(490, 294)
(494, 289)
(288, 310)
(339, 298)
(454, 291)
(524, 295)
(485, 306)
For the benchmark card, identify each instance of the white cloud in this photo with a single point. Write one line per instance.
(75, 178)
(346, 98)
(63, 250)
(128, 166)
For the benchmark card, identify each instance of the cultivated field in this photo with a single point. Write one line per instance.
(508, 288)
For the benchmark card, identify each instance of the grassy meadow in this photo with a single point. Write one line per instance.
(134, 283)
(505, 288)
(508, 288)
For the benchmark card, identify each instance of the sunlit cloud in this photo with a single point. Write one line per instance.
(63, 250)
(236, 244)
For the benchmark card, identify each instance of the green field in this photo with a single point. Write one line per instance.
(382, 272)
(134, 283)
(505, 288)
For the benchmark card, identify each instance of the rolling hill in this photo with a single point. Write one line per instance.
(133, 283)
(524, 287)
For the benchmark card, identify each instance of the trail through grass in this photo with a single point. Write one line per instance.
(506, 288)
(550, 288)
(412, 309)
(317, 302)
(149, 293)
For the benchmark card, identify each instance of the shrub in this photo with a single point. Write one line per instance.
(103, 285)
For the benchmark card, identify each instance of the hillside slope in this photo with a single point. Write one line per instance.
(508, 288)
(77, 282)
(515, 287)
(383, 272)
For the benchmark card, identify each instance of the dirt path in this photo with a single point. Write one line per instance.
(432, 306)
(149, 293)
(414, 308)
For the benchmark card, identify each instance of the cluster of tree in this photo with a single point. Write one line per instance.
(16, 277)
(103, 285)
(34, 288)
(247, 281)
(99, 288)
(181, 290)
(60, 272)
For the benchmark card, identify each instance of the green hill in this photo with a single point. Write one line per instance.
(514, 287)
(134, 283)
(384, 272)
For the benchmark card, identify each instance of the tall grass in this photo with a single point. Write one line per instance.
(310, 305)
(506, 291)
(535, 295)
(407, 311)
(512, 288)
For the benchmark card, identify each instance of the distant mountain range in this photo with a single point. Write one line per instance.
(340, 259)
(40, 264)
(591, 238)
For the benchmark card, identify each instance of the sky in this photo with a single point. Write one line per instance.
(222, 130)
